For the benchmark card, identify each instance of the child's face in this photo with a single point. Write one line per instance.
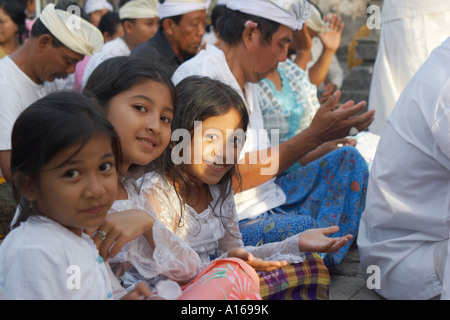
(217, 142)
(142, 117)
(79, 192)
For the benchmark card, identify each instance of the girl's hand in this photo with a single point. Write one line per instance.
(140, 292)
(119, 228)
(325, 148)
(256, 263)
(315, 240)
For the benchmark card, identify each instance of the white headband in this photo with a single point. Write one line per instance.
(74, 32)
(137, 9)
(291, 13)
(315, 22)
(94, 5)
(176, 8)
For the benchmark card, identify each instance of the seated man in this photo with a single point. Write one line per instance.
(404, 229)
(59, 39)
(140, 22)
(180, 34)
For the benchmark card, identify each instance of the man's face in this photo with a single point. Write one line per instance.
(188, 34)
(56, 62)
(264, 57)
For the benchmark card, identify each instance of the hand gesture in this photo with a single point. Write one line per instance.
(331, 38)
(330, 124)
(256, 263)
(120, 228)
(315, 240)
(141, 291)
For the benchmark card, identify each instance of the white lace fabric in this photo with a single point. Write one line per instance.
(171, 258)
(213, 232)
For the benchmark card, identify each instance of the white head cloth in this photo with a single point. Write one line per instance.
(171, 8)
(137, 9)
(94, 5)
(73, 31)
(315, 22)
(291, 13)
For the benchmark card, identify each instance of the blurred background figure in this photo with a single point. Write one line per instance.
(13, 31)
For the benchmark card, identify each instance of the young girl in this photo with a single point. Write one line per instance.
(64, 171)
(193, 195)
(139, 100)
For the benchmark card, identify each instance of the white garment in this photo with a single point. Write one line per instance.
(17, 92)
(171, 258)
(407, 208)
(410, 30)
(211, 62)
(113, 48)
(214, 231)
(42, 260)
(335, 73)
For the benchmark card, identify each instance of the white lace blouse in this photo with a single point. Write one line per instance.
(213, 232)
(171, 258)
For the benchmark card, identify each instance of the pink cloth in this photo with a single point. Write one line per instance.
(78, 75)
(224, 279)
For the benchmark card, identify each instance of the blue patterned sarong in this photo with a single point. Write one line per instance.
(329, 191)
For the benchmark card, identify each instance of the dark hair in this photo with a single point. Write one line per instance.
(16, 11)
(49, 125)
(39, 29)
(109, 22)
(118, 74)
(231, 25)
(200, 98)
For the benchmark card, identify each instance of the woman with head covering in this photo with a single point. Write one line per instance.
(96, 9)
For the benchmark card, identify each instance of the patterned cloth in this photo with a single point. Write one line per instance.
(329, 191)
(308, 280)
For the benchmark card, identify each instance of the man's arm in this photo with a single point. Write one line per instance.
(326, 125)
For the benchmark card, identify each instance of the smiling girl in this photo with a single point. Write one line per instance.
(139, 100)
(64, 157)
(195, 198)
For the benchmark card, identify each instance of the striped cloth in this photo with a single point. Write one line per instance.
(308, 280)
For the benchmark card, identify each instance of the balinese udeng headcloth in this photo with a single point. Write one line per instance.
(171, 8)
(73, 31)
(291, 13)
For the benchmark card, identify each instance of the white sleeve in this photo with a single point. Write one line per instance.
(172, 257)
(10, 103)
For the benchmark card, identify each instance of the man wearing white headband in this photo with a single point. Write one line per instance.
(96, 9)
(59, 40)
(255, 38)
(140, 22)
(180, 35)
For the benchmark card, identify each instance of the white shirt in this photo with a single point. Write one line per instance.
(113, 48)
(408, 199)
(17, 92)
(211, 62)
(42, 260)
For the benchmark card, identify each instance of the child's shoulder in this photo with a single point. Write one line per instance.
(37, 233)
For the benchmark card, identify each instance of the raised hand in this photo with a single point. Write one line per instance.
(316, 240)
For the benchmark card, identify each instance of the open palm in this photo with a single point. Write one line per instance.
(316, 240)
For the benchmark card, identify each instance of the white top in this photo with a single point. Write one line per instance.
(113, 48)
(214, 231)
(211, 62)
(17, 92)
(41, 260)
(171, 258)
(407, 208)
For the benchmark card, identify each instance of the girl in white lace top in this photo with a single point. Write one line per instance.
(138, 99)
(193, 196)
